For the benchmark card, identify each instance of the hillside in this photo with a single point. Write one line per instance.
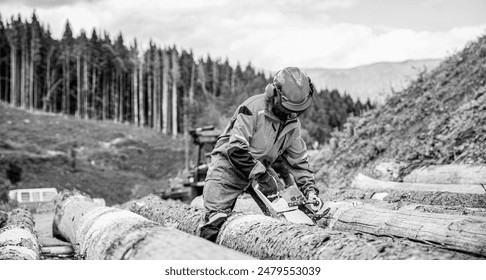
(113, 161)
(439, 119)
(373, 81)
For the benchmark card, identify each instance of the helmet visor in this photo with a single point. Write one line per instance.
(282, 110)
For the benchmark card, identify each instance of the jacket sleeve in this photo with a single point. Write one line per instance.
(241, 128)
(295, 157)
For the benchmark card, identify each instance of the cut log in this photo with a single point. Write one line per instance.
(17, 238)
(362, 181)
(268, 238)
(448, 174)
(98, 232)
(428, 198)
(462, 233)
(57, 250)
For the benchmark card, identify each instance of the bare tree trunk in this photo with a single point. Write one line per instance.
(150, 109)
(165, 93)
(175, 105)
(136, 119)
(94, 113)
(156, 82)
(22, 79)
(85, 87)
(98, 232)
(104, 105)
(141, 95)
(31, 82)
(13, 77)
(78, 89)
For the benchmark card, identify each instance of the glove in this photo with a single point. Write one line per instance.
(312, 197)
(267, 184)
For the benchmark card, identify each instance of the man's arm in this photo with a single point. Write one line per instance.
(295, 157)
(241, 127)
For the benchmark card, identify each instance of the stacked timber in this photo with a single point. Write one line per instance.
(98, 232)
(448, 174)
(448, 199)
(17, 238)
(461, 233)
(268, 238)
(362, 181)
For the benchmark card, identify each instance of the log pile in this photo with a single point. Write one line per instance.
(98, 232)
(461, 233)
(267, 238)
(362, 181)
(17, 238)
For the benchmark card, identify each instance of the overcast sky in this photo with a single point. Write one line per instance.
(276, 33)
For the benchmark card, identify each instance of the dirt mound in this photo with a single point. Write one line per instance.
(439, 119)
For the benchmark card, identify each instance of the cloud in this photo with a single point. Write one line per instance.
(270, 34)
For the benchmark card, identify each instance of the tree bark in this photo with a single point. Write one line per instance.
(448, 174)
(364, 182)
(268, 238)
(17, 238)
(98, 232)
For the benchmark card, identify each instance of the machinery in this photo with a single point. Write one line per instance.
(290, 204)
(204, 138)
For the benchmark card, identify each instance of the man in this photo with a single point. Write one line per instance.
(263, 128)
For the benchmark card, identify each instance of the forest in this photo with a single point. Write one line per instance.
(166, 88)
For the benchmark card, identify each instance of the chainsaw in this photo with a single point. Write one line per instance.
(290, 204)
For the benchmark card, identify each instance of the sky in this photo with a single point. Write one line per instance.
(273, 34)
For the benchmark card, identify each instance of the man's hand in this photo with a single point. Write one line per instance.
(312, 197)
(267, 184)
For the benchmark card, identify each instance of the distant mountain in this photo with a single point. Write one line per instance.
(373, 81)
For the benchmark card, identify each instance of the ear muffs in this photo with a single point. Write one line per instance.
(270, 90)
(312, 89)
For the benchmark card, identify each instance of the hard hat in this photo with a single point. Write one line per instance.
(295, 89)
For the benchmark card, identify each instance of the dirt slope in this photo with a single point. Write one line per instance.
(439, 119)
(114, 161)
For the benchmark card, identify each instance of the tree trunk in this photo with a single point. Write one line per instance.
(98, 232)
(141, 95)
(31, 82)
(17, 237)
(13, 77)
(364, 182)
(150, 98)
(85, 88)
(268, 238)
(94, 99)
(462, 233)
(165, 93)
(136, 119)
(175, 105)
(78, 88)
(448, 174)
(156, 91)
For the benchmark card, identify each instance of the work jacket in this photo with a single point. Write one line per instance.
(252, 141)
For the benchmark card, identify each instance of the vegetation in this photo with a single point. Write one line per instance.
(166, 89)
